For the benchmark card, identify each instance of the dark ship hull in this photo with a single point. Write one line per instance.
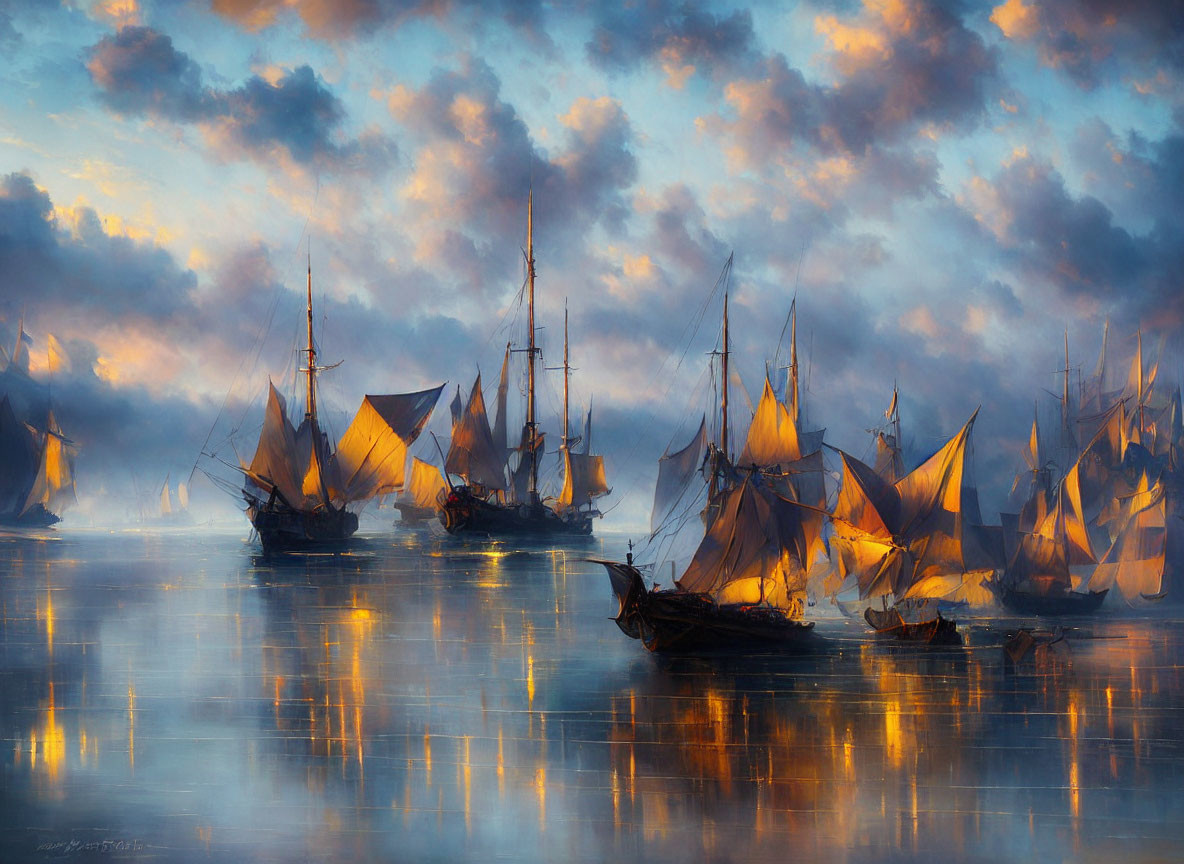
(412, 516)
(282, 529)
(891, 624)
(35, 517)
(465, 513)
(669, 620)
(1067, 603)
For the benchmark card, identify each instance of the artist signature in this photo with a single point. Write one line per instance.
(79, 847)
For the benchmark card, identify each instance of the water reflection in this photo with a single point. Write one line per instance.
(420, 698)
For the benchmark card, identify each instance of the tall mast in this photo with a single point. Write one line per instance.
(795, 405)
(530, 419)
(1065, 394)
(566, 378)
(723, 428)
(310, 412)
(1139, 361)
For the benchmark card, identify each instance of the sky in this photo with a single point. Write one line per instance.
(945, 187)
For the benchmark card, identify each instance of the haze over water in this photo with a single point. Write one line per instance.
(424, 699)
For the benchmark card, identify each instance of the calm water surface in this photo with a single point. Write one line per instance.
(177, 698)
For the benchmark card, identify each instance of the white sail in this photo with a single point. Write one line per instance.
(183, 496)
(166, 504)
(675, 473)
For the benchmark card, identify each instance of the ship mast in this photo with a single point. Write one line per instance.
(723, 428)
(531, 351)
(310, 413)
(566, 378)
(795, 404)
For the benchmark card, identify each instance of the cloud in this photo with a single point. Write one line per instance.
(1088, 39)
(682, 37)
(140, 73)
(475, 159)
(342, 19)
(1073, 243)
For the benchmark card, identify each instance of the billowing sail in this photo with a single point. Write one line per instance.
(583, 479)
(753, 552)
(166, 503)
(425, 485)
(772, 436)
(896, 538)
(53, 487)
(183, 496)
(1136, 560)
(273, 466)
(371, 455)
(473, 454)
(675, 472)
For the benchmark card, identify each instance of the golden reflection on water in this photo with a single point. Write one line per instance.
(484, 701)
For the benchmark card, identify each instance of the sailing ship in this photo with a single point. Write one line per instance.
(167, 514)
(496, 498)
(912, 541)
(420, 500)
(745, 584)
(299, 490)
(36, 470)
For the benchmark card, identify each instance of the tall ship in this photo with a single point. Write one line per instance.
(36, 470)
(758, 522)
(302, 492)
(914, 541)
(498, 493)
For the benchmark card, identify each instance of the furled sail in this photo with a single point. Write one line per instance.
(753, 552)
(675, 472)
(425, 485)
(371, 455)
(500, 436)
(473, 454)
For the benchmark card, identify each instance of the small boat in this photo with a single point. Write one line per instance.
(913, 621)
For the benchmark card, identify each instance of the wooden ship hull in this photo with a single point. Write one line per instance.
(891, 624)
(411, 516)
(1067, 603)
(282, 529)
(671, 620)
(35, 517)
(465, 513)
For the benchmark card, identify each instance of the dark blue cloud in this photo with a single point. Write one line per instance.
(626, 34)
(139, 72)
